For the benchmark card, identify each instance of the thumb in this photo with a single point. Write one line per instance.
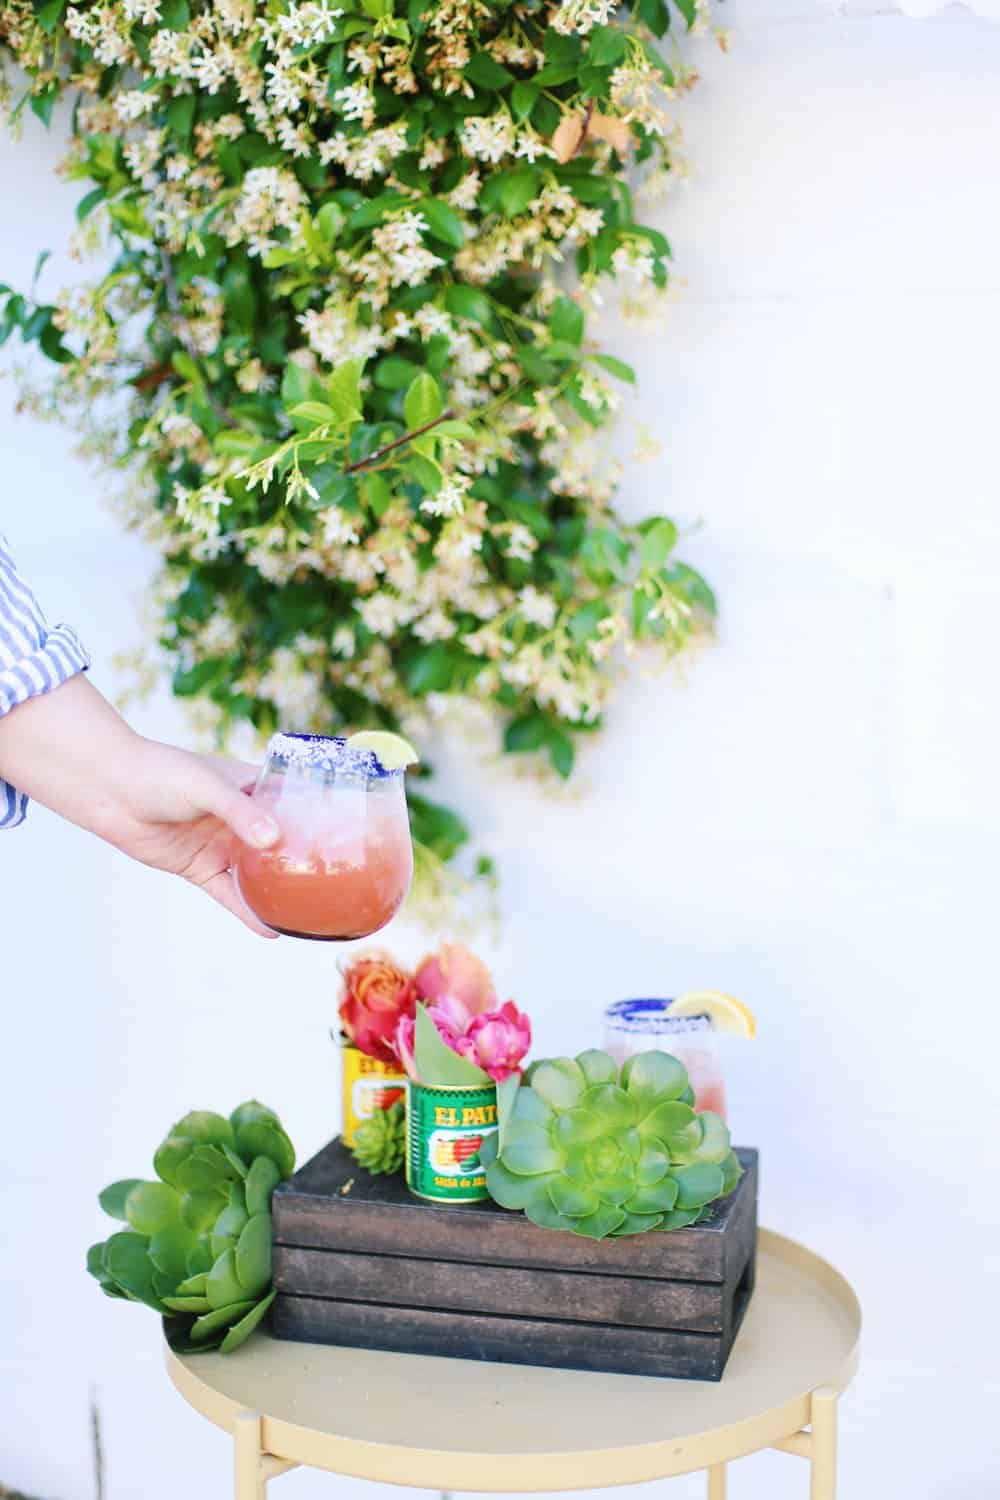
(240, 813)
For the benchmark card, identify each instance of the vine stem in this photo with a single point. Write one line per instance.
(373, 458)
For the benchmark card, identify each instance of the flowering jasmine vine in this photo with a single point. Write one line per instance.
(341, 356)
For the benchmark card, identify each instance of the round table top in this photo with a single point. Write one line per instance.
(453, 1424)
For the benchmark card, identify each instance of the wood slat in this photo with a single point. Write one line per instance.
(630, 1301)
(378, 1215)
(520, 1341)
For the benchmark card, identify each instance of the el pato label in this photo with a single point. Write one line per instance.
(368, 1085)
(446, 1128)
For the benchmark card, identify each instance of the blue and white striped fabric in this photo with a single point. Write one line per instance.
(33, 660)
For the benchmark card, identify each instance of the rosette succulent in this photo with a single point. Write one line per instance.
(198, 1245)
(380, 1141)
(586, 1147)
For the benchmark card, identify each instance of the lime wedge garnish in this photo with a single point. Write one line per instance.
(391, 750)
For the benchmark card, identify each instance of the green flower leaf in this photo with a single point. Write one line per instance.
(151, 1206)
(486, 73)
(241, 1331)
(511, 1190)
(560, 1082)
(443, 222)
(566, 321)
(127, 1262)
(253, 1254)
(262, 1178)
(436, 1063)
(422, 402)
(651, 1077)
(697, 1185)
(112, 1200)
(220, 1317)
(598, 1067)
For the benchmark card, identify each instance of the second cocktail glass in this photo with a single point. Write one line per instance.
(344, 861)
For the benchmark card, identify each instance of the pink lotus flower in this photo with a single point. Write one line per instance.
(497, 1041)
(457, 983)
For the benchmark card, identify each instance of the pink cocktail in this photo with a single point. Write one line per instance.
(632, 1026)
(344, 862)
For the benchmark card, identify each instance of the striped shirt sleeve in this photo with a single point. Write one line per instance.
(33, 660)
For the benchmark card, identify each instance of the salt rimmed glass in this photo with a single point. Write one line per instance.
(344, 861)
(633, 1026)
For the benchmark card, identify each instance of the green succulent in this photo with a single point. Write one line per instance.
(380, 1142)
(198, 1246)
(586, 1148)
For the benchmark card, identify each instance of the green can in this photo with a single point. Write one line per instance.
(446, 1128)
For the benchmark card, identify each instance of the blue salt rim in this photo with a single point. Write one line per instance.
(328, 753)
(646, 1017)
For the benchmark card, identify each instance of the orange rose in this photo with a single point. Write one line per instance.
(377, 995)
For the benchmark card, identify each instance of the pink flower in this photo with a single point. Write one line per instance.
(404, 1040)
(496, 1042)
(457, 983)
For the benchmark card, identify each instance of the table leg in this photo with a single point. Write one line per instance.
(249, 1481)
(717, 1482)
(823, 1446)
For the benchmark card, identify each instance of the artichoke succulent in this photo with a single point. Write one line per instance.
(380, 1142)
(585, 1147)
(198, 1246)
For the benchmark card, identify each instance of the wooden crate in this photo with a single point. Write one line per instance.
(359, 1261)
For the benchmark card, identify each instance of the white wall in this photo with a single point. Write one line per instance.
(808, 819)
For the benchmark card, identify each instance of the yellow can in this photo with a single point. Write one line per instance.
(369, 1084)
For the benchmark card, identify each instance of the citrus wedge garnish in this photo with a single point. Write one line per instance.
(725, 1012)
(390, 750)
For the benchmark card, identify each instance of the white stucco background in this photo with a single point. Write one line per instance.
(808, 818)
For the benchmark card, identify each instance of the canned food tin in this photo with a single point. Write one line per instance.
(446, 1128)
(369, 1084)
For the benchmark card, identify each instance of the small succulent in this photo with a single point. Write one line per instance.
(585, 1147)
(380, 1141)
(198, 1246)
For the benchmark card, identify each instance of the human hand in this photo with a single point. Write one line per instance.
(165, 807)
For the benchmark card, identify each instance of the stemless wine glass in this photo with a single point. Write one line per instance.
(344, 861)
(632, 1026)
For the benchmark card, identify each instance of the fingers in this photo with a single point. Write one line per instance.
(222, 795)
(222, 889)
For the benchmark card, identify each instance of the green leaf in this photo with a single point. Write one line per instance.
(394, 373)
(561, 752)
(127, 1262)
(697, 1185)
(223, 1286)
(299, 385)
(543, 1212)
(436, 827)
(112, 1200)
(313, 413)
(553, 74)
(50, 14)
(377, 492)
(614, 366)
(656, 1198)
(599, 1225)
(486, 73)
(513, 1191)
(597, 1067)
(174, 15)
(559, 1081)
(169, 1248)
(262, 1178)
(574, 1199)
(89, 202)
(44, 103)
(680, 1218)
(529, 732)
(443, 222)
(262, 1138)
(422, 402)
(466, 302)
(253, 1254)
(653, 1077)
(607, 46)
(523, 98)
(436, 1063)
(180, 116)
(566, 321)
(187, 1304)
(241, 1331)
(152, 1206)
(507, 1092)
(221, 1317)
(517, 188)
(658, 541)
(330, 221)
(343, 391)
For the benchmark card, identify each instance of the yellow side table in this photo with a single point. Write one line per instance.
(446, 1424)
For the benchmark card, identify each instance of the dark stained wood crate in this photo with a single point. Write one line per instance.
(374, 1267)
